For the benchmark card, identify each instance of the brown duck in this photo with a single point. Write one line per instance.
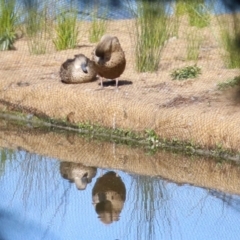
(109, 58)
(77, 70)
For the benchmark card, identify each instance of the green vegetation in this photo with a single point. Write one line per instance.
(196, 10)
(194, 41)
(229, 83)
(66, 30)
(37, 26)
(148, 139)
(98, 27)
(153, 28)
(186, 72)
(8, 24)
(229, 37)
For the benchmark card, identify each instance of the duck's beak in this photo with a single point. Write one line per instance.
(84, 67)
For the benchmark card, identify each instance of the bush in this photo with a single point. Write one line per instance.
(8, 22)
(186, 72)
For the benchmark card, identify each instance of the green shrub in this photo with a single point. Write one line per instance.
(66, 30)
(152, 30)
(194, 41)
(98, 27)
(229, 83)
(196, 10)
(8, 22)
(186, 72)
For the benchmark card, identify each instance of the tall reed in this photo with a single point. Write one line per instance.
(229, 39)
(152, 30)
(197, 11)
(38, 23)
(98, 26)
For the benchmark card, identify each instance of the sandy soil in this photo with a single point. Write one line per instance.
(192, 110)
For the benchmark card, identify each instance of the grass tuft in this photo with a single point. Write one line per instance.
(229, 83)
(197, 11)
(152, 30)
(66, 30)
(186, 72)
(8, 22)
(98, 27)
(194, 41)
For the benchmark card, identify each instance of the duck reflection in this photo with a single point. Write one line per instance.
(109, 194)
(79, 174)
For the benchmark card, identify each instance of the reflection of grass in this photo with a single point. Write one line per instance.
(150, 207)
(8, 22)
(6, 155)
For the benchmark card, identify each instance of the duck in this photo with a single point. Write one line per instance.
(80, 69)
(109, 58)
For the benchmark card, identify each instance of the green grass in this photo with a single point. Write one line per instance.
(198, 13)
(37, 45)
(186, 72)
(231, 56)
(194, 41)
(152, 30)
(37, 27)
(8, 24)
(66, 30)
(229, 83)
(98, 27)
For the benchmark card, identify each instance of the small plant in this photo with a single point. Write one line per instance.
(8, 22)
(186, 72)
(66, 30)
(229, 83)
(98, 27)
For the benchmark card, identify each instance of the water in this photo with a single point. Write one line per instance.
(116, 9)
(38, 201)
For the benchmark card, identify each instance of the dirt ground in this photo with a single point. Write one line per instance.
(193, 110)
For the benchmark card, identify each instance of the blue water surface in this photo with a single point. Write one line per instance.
(38, 203)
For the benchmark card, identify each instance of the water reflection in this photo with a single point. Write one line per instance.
(78, 173)
(109, 194)
(38, 203)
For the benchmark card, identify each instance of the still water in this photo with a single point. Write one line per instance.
(43, 197)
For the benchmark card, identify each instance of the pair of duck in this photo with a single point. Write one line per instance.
(108, 61)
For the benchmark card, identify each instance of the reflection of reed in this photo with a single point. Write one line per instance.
(6, 155)
(37, 185)
(78, 173)
(109, 194)
(150, 210)
(227, 199)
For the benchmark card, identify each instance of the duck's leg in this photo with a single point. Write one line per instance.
(116, 84)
